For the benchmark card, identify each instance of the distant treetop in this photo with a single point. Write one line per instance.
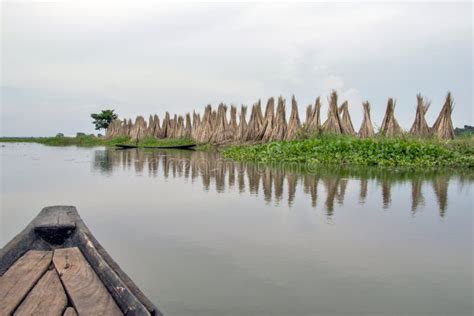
(102, 120)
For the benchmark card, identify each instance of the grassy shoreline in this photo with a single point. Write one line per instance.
(91, 141)
(350, 151)
(320, 151)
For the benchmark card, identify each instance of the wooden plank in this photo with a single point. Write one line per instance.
(87, 293)
(16, 248)
(70, 312)
(46, 298)
(60, 215)
(55, 218)
(21, 277)
(55, 224)
(114, 279)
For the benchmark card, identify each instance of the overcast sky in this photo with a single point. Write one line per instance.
(63, 60)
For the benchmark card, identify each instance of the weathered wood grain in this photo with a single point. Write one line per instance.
(55, 217)
(21, 277)
(55, 225)
(50, 230)
(117, 283)
(87, 293)
(46, 298)
(70, 311)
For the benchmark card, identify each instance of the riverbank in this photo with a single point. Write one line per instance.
(347, 151)
(90, 141)
(323, 150)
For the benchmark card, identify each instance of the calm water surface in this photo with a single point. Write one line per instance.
(204, 236)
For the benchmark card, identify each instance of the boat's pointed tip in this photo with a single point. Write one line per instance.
(60, 207)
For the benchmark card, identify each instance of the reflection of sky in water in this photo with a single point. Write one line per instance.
(202, 236)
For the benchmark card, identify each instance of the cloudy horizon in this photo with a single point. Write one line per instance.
(62, 61)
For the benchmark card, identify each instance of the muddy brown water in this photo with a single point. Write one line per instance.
(201, 235)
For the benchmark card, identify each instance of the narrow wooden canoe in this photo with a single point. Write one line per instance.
(56, 266)
(190, 146)
(125, 146)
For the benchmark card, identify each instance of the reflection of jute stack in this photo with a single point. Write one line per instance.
(274, 179)
(231, 171)
(292, 180)
(253, 177)
(310, 183)
(363, 190)
(241, 176)
(267, 182)
(416, 194)
(440, 187)
(342, 191)
(278, 179)
(331, 184)
(386, 193)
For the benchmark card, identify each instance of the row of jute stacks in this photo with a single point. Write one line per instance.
(215, 128)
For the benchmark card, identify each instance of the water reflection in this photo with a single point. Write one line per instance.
(278, 182)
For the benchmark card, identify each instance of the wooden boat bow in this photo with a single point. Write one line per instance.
(58, 229)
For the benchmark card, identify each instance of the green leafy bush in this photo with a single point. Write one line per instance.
(339, 150)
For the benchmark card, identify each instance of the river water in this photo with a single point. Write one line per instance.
(204, 236)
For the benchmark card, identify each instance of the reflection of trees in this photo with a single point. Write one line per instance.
(211, 168)
(103, 161)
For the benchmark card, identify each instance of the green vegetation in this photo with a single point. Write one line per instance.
(347, 151)
(90, 141)
(320, 151)
(464, 132)
(103, 119)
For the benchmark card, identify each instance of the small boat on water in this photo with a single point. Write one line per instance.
(55, 266)
(126, 146)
